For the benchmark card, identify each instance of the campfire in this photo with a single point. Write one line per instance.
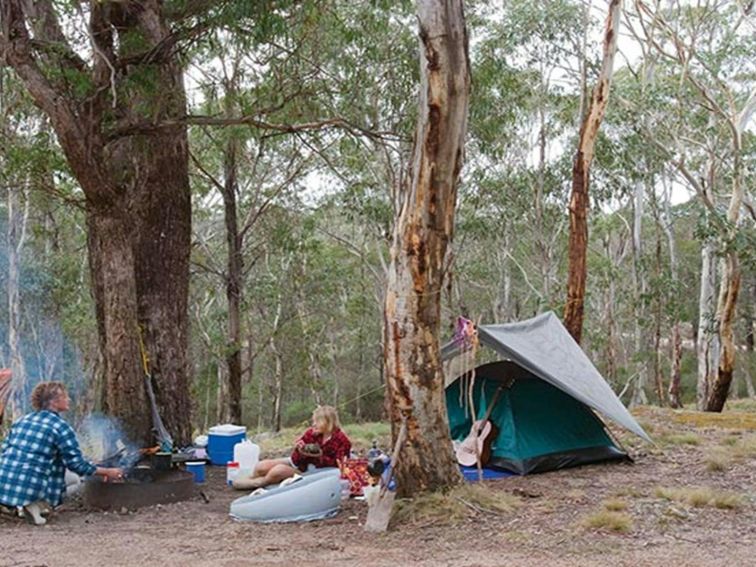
(150, 477)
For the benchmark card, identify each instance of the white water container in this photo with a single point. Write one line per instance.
(246, 454)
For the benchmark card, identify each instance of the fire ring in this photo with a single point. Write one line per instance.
(141, 487)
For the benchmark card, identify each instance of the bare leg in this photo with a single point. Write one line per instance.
(274, 475)
(257, 478)
(279, 473)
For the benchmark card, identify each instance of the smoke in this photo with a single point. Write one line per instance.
(43, 351)
(102, 440)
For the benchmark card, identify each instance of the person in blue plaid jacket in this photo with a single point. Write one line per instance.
(37, 452)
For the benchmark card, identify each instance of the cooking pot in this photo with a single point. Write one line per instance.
(162, 461)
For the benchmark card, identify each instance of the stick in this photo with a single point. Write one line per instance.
(400, 438)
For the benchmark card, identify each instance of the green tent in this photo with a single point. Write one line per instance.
(549, 397)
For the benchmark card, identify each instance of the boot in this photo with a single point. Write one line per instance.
(33, 513)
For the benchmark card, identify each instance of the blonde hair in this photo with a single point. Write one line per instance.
(327, 415)
(44, 393)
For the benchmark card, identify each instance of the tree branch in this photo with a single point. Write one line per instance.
(77, 137)
(140, 128)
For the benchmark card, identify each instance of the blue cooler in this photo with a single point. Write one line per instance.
(221, 440)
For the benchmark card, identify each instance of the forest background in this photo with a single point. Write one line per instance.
(293, 205)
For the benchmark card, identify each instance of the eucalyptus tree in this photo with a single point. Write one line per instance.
(711, 44)
(422, 231)
(589, 128)
(116, 64)
(110, 77)
(526, 66)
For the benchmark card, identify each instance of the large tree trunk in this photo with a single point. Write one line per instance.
(423, 229)
(137, 190)
(111, 257)
(162, 203)
(162, 247)
(579, 201)
(719, 389)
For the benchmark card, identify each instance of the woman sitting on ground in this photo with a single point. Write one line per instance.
(37, 452)
(322, 445)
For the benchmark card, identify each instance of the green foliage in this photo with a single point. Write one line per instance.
(316, 207)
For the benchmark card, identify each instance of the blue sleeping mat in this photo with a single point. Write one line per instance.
(471, 473)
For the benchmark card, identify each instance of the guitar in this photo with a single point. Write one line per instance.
(478, 441)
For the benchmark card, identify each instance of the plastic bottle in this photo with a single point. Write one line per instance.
(374, 451)
(232, 471)
(246, 454)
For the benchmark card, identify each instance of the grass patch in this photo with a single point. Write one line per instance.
(609, 520)
(575, 494)
(731, 440)
(726, 420)
(680, 439)
(717, 461)
(615, 505)
(744, 404)
(361, 435)
(745, 447)
(453, 506)
(516, 536)
(700, 497)
(630, 491)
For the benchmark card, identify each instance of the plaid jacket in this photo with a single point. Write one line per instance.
(335, 449)
(35, 455)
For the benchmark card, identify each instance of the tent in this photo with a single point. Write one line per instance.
(549, 402)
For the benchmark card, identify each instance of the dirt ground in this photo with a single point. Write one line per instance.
(548, 526)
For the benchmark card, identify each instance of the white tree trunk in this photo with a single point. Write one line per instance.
(706, 324)
(639, 287)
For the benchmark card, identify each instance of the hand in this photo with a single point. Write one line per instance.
(311, 450)
(115, 474)
(110, 473)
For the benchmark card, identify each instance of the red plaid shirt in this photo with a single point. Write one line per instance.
(336, 448)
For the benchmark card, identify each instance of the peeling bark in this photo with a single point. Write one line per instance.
(729, 287)
(579, 200)
(423, 230)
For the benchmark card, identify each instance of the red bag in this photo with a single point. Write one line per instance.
(355, 471)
